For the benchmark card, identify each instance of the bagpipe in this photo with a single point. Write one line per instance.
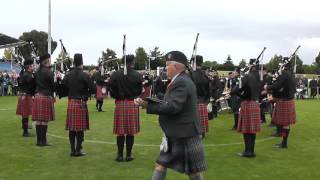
(253, 62)
(63, 64)
(34, 56)
(285, 62)
(193, 59)
(61, 67)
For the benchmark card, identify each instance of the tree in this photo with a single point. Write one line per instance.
(8, 53)
(228, 64)
(109, 57)
(273, 64)
(40, 42)
(207, 64)
(141, 59)
(317, 61)
(299, 64)
(157, 59)
(242, 63)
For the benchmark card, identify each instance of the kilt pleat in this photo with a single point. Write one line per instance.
(99, 94)
(77, 115)
(43, 108)
(126, 118)
(24, 106)
(249, 117)
(185, 155)
(203, 114)
(284, 112)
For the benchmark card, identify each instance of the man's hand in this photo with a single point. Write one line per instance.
(141, 102)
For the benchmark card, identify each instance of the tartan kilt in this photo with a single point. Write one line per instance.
(99, 95)
(126, 118)
(24, 106)
(203, 114)
(43, 108)
(146, 92)
(185, 155)
(284, 112)
(249, 117)
(77, 115)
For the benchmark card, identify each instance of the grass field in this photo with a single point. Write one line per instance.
(21, 159)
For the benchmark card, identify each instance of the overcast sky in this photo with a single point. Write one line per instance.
(240, 28)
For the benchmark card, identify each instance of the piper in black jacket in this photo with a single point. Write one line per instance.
(124, 88)
(25, 102)
(43, 104)
(284, 113)
(179, 120)
(101, 86)
(202, 82)
(249, 115)
(79, 88)
(234, 99)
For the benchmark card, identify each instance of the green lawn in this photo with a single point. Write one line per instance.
(21, 159)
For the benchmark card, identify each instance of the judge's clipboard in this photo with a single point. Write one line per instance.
(154, 100)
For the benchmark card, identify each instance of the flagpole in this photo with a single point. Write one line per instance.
(49, 28)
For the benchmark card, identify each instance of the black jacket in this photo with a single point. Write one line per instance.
(250, 89)
(125, 87)
(202, 83)
(284, 87)
(178, 117)
(27, 83)
(78, 84)
(44, 81)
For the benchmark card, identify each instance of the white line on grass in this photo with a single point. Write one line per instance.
(153, 145)
(4, 109)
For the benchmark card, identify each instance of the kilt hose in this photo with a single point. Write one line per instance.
(24, 106)
(43, 108)
(203, 114)
(249, 117)
(99, 94)
(284, 112)
(126, 118)
(185, 155)
(77, 115)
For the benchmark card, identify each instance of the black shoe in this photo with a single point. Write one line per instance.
(73, 154)
(129, 158)
(247, 155)
(26, 135)
(234, 128)
(78, 154)
(119, 159)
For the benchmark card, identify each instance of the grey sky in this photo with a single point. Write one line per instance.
(240, 28)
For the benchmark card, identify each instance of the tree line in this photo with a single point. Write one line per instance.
(144, 59)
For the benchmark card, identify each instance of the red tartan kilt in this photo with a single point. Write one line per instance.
(77, 115)
(284, 113)
(126, 118)
(203, 114)
(43, 108)
(24, 106)
(146, 92)
(99, 94)
(249, 117)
